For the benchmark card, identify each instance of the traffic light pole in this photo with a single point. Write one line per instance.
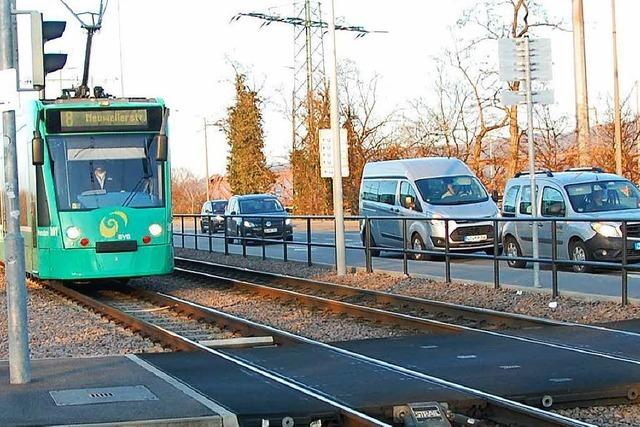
(19, 363)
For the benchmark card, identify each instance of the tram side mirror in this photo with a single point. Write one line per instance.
(494, 196)
(37, 150)
(163, 148)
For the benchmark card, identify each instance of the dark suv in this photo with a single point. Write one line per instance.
(213, 216)
(256, 215)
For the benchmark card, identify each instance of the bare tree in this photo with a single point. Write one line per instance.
(187, 191)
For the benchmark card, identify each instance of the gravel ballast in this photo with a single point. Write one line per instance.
(61, 328)
(520, 301)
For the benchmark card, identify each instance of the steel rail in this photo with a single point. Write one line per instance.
(386, 316)
(352, 417)
(497, 407)
(404, 302)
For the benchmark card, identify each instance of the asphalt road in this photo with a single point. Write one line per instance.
(604, 283)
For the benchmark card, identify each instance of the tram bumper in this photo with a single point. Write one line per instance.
(81, 263)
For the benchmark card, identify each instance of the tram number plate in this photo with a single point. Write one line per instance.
(636, 246)
(478, 238)
(270, 230)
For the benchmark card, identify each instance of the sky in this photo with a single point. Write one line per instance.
(184, 52)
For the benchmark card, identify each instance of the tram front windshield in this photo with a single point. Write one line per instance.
(97, 171)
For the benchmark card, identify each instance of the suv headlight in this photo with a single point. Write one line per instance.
(249, 224)
(287, 221)
(606, 230)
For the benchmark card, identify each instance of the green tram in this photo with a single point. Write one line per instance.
(95, 194)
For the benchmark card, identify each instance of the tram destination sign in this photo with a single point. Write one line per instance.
(103, 120)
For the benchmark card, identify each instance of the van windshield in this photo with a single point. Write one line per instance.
(452, 190)
(602, 196)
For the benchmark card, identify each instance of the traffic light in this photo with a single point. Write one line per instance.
(45, 63)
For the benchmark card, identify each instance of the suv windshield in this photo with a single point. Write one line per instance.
(452, 190)
(96, 171)
(603, 196)
(254, 206)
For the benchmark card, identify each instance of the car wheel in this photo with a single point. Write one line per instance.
(417, 244)
(512, 250)
(578, 252)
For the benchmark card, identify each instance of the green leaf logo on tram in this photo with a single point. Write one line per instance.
(110, 225)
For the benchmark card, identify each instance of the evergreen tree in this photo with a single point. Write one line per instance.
(247, 169)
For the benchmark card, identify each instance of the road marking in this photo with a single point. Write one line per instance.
(560, 380)
(466, 356)
(428, 347)
(510, 366)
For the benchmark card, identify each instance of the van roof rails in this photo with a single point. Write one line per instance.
(585, 169)
(547, 172)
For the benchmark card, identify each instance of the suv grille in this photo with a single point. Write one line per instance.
(633, 229)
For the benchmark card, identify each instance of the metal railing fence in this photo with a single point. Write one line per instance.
(449, 250)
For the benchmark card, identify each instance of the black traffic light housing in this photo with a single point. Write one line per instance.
(45, 63)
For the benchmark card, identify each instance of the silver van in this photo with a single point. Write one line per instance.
(424, 190)
(587, 193)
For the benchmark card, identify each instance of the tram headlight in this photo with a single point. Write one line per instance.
(73, 232)
(155, 230)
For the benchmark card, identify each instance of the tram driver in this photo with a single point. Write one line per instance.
(101, 180)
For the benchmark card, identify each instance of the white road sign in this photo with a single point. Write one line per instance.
(510, 97)
(8, 90)
(326, 153)
(512, 59)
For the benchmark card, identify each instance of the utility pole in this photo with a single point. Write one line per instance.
(206, 157)
(337, 164)
(616, 91)
(14, 270)
(580, 71)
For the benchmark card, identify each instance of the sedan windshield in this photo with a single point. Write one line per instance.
(218, 207)
(96, 171)
(601, 196)
(452, 190)
(256, 206)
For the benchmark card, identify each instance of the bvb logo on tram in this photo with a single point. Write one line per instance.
(110, 224)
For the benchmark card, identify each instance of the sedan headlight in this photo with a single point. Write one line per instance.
(606, 230)
(155, 230)
(249, 224)
(73, 232)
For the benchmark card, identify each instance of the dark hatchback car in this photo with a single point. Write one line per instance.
(213, 216)
(254, 214)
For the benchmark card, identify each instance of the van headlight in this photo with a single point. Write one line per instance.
(435, 221)
(606, 230)
(73, 232)
(155, 230)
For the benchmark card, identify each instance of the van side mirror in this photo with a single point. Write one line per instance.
(162, 153)
(494, 196)
(37, 149)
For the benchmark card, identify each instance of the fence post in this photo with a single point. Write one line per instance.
(264, 251)
(554, 258)
(182, 229)
(210, 236)
(226, 235)
(284, 240)
(309, 241)
(367, 244)
(625, 277)
(195, 231)
(405, 264)
(447, 258)
(243, 235)
(496, 252)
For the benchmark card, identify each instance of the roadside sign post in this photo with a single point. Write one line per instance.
(338, 212)
(14, 268)
(526, 60)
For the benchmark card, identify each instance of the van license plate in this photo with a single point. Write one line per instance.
(270, 230)
(477, 238)
(636, 246)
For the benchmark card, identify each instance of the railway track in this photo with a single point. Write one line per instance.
(184, 325)
(426, 315)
